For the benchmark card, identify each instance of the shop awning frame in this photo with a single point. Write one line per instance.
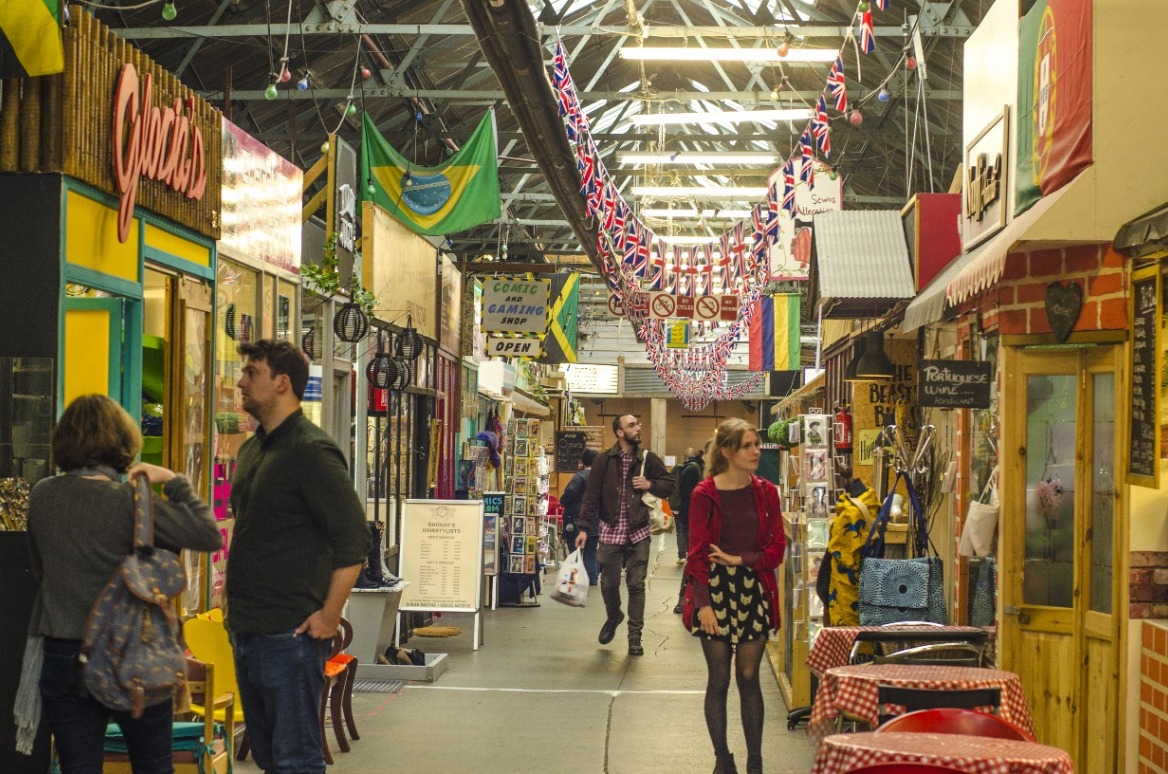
(930, 304)
(1144, 235)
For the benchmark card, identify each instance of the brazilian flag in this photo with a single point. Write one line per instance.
(559, 344)
(455, 196)
(30, 38)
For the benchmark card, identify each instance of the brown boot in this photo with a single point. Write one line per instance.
(725, 765)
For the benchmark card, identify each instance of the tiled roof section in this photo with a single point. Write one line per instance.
(862, 254)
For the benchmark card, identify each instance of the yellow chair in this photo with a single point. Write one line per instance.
(208, 641)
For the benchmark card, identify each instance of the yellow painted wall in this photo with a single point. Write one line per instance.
(177, 246)
(86, 353)
(91, 238)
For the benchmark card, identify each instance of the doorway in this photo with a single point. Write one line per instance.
(1060, 532)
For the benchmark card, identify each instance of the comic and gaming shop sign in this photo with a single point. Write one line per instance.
(515, 305)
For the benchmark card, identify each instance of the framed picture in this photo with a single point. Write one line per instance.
(519, 485)
(517, 520)
(517, 564)
(518, 544)
(520, 429)
(531, 544)
(521, 447)
(508, 504)
(508, 467)
(533, 467)
(529, 564)
(532, 527)
(815, 464)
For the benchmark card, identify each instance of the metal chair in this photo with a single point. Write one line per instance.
(904, 768)
(913, 699)
(950, 720)
(954, 654)
(891, 638)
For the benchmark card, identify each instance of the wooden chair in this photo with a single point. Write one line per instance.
(207, 639)
(955, 654)
(950, 720)
(913, 699)
(212, 753)
(336, 701)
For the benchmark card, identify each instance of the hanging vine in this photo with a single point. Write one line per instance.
(324, 278)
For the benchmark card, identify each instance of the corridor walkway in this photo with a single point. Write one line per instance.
(540, 695)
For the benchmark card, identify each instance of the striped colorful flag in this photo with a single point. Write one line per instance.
(30, 38)
(774, 334)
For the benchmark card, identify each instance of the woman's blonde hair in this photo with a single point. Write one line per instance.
(94, 430)
(729, 437)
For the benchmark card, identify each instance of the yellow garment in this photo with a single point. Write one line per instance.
(849, 532)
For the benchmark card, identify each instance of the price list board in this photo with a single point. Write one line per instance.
(1144, 445)
(442, 555)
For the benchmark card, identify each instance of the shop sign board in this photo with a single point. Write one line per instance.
(1144, 445)
(492, 512)
(589, 379)
(442, 555)
(986, 181)
(570, 444)
(515, 305)
(513, 346)
(955, 384)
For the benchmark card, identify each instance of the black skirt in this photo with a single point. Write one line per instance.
(740, 604)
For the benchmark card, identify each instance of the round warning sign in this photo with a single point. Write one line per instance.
(707, 308)
(616, 307)
(662, 305)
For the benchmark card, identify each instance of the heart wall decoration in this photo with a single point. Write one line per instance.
(1064, 303)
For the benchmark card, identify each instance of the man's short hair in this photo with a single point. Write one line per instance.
(616, 422)
(588, 456)
(282, 357)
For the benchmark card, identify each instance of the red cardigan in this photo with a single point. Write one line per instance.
(705, 527)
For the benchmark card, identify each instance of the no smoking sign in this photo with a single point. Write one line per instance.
(707, 308)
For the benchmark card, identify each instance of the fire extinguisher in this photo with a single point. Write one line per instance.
(843, 429)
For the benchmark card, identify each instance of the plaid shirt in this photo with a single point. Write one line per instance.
(618, 534)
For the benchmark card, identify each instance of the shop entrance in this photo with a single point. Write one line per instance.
(1059, 534)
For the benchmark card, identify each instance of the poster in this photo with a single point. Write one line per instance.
(442, 555)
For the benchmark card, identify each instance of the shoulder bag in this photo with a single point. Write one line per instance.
(981, 521)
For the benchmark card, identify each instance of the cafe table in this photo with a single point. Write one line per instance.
(855, 691)
(833, 644)
(972, 754)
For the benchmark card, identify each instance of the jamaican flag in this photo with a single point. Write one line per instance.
(30, 38)
(452, 197)
(559, 344)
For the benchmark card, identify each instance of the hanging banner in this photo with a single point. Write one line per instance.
(515, 305)
(1054, 98)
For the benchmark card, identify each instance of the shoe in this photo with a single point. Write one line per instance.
(635, 648)
(753, 764)
(608, 631)
(680, 561)
(725, 765)
(364, 581)
(679, 608)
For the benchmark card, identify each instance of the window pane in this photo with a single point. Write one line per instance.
(1102, 492)
(1050, 496)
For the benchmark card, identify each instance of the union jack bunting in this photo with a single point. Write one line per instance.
(822, 130)
(645, 236)
(772, 215)
(632, 241)
(608, 201)
(881, 4)
(806, 174)
(867, 33)
(789, 186)
(836, 86)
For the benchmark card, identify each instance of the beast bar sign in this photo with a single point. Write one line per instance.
(155, 143)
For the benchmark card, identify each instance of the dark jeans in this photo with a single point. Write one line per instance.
(78, 721)
(590, 563)
(281, 680)
(635, 561)
(681, 524)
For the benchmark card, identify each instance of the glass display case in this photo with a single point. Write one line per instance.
(26, 422)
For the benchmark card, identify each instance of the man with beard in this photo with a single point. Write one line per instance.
(612, 499)
(299, 542)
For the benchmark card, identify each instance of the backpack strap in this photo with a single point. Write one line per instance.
(143, 511)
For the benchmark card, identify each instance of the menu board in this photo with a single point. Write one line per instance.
(1144, 446)
(955, 383)
(570, 444)
(442, 555)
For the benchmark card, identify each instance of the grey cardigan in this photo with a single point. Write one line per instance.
(80, 529)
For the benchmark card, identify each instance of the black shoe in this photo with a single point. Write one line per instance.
(635, 648)
(679, 608)
(608, 631)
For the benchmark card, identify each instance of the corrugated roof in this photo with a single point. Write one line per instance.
(862, 254)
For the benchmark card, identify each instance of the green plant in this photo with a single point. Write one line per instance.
(324, 278)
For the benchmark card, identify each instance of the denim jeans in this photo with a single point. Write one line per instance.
(281, 681)
(590, 559)
(78, 721)
(635, 560)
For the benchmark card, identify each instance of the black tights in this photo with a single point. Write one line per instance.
(718, 654)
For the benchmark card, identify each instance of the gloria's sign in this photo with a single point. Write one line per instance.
(986, 181)
(152, 142)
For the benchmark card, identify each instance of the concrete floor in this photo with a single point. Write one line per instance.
(541, 695)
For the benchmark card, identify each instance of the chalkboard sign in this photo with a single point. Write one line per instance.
(955, 384)
(570, 444)
(1144, 452)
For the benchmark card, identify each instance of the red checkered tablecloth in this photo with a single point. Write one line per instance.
(833, 644)
(855, 690)
(972, 754)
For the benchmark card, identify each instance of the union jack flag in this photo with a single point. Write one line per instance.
(741, 248)
(836, 86)
(771, 229)
(645, 236)
(789, 186)
(632, 240)
(881, 4)
(867, 33)
(806, 174)
(822, 129)
(608, 205)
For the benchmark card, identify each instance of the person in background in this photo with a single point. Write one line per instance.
(731, 599)
(80, 528)
(300, 540)
(613, 505)
(571, 500)
(687, 478)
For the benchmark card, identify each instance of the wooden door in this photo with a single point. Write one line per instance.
(1060, 530)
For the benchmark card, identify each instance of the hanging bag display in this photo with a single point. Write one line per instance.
(981, 521)
(660, 517)
(893, 590)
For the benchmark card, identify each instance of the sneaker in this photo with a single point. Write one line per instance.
(635, 648)
(608, 631)
(680, 561)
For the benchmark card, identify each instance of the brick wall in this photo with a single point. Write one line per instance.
(1097, 269)
(1148, 585)
(1153, 740)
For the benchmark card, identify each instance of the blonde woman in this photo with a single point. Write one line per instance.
(736, 543)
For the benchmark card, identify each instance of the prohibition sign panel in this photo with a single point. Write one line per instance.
(662, 305)
(615, 307)
(707, 308)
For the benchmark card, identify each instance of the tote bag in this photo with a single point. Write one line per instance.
(981, 521)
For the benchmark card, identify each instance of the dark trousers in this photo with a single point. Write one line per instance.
(634, 559)
(78, 721)
(281, 680)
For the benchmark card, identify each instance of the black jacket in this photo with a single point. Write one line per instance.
(573, 496)
(605, 488)
(688, 478)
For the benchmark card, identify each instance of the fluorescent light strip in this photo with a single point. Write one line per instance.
(693, 157)
(701, 192)
(722, 117)
(697, 54)
(687, 239)
(690, 213)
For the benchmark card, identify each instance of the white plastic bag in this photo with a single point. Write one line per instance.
(572, 584)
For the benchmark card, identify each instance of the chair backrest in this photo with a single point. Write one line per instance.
(950, 720)
(904, 768)
(957, 654)
(208, 641)
(913, 699)
(891, 638)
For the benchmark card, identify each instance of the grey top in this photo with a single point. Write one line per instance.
(79, 531)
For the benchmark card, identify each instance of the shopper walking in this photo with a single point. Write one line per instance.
(731, 598)
(687, 478)
(300, 540)
(571, 500)
(81, 527)
(613, 508)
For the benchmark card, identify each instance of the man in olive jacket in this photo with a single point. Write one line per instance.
(612, 503)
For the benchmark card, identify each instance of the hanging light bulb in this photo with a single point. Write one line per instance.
(910, 62)
(302, 84)
(855, 118)
(883, 95)
(169, 12)
(270, 93)
(369, 188)
(365, 72)
(351, 110)
(775, 92)
(324, 147)
(285, 73)
(864, 6)
(784, 48)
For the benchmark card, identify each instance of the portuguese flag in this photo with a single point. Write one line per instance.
(30, 38)
(1054, 98)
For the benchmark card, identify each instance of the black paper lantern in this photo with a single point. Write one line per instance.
(350, 324)
(408, 344)
(308, 344)
(405, 374)
(382, 371)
